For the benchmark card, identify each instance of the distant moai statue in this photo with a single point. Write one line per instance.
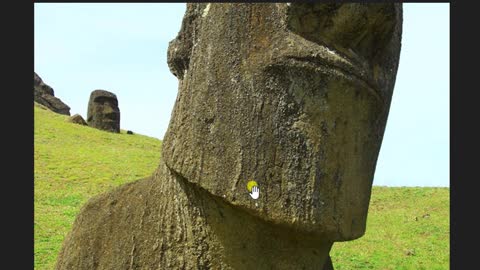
(44, 95)
(103, 112)
(272, 145)
(77, 119)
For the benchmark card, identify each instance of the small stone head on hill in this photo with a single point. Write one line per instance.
(103, 112)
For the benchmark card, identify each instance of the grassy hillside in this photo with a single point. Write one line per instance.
(407, 228)
(71, 164)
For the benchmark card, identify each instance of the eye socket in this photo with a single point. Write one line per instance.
(105, 100)
(354, 29)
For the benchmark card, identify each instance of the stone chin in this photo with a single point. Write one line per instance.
(302, 120)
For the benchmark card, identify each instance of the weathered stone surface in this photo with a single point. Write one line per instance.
(44, 94)
(77, 119)
(293, 96)
(103, 112)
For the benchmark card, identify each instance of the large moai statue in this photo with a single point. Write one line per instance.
(272, 145)
(103, 112)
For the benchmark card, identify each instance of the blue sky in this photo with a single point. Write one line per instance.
(122, 48)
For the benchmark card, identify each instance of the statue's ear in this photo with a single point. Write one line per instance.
(180, 48)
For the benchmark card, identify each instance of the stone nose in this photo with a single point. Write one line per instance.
(109, 109)
(108, 106)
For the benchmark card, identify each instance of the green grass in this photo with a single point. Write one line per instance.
(71, 164)
(407, 228)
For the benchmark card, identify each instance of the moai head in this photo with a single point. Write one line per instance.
(40, 87)
(103, 112)
(293, 96)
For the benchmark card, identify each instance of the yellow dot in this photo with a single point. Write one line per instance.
(250, 185)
